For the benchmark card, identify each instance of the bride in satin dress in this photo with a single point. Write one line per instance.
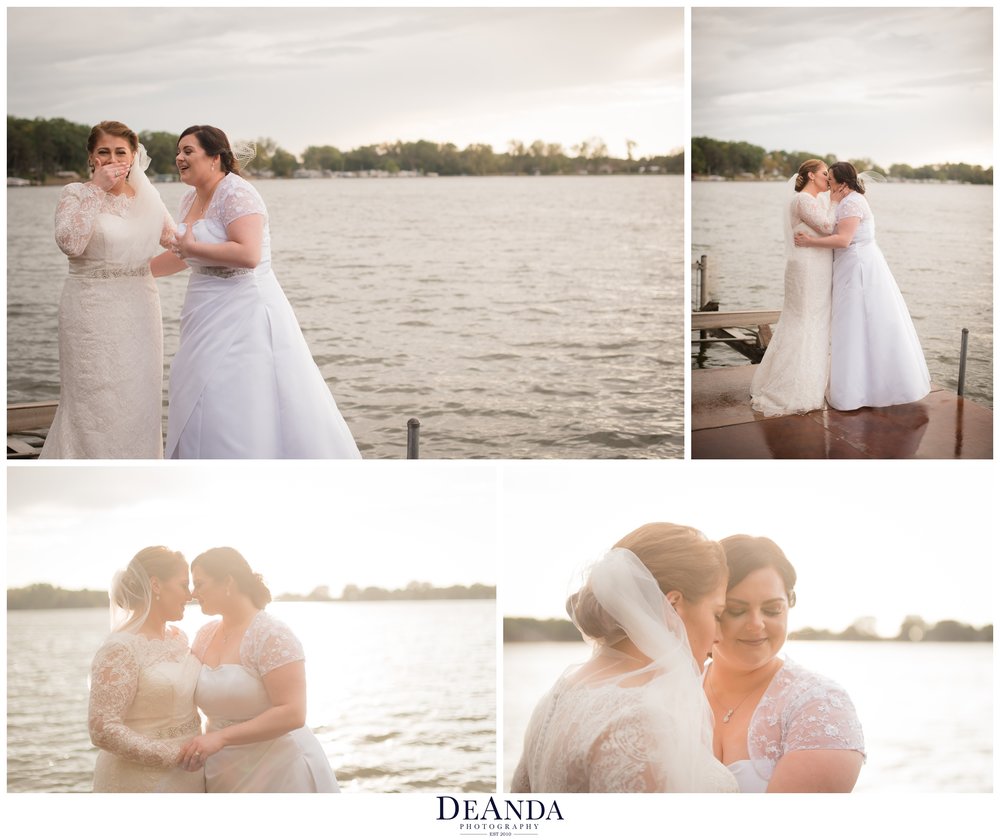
(142, 682)
(634, 718)
(110, 332)
(792, 377)
(875, 355)
(252, 688)
(243, 383)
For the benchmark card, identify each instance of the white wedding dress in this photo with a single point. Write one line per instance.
(875, 355)
(243, 383)
(800, 710)
(110, 332)
(231, 693)
(142, 712)
(619, 724)
(792, 377)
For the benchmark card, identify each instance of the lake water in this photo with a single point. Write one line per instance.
(937, 239)
(381, 681)
(926, 709)
(515, 317)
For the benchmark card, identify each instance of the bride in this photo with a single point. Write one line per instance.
(142, 682)
(792, 377)
(110, 333)
(875, 355)
(252, 688)
(243, 383)
(634, 718)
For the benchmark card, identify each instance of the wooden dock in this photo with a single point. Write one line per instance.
(942, 425)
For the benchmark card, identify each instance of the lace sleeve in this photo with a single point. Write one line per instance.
(271, 645)
(76, 214)
(620, 761)
(238, 199)
(814, 214)
(822, 717)
(114, 678)
(851, 207)
(169, 229)
(521, 783)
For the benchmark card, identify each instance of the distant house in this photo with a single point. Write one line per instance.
(18, 182)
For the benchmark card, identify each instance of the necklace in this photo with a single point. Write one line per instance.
(732, 710)
(202, 204)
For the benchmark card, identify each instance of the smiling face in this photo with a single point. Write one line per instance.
(111, 149)
(754, 622)
(210, 593)
(173, 594)
(193, 164)
(701, 621)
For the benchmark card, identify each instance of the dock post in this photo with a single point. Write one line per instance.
(704, 294)
(412, 439)
(961, 361)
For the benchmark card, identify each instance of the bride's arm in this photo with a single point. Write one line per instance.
(242, 250)
(286, 689)
(811, 212)
(76, 214)
(846, 228)
(816, 771)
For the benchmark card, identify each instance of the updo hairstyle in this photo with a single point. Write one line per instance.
(845, 173)
(811, 165)
(746, 554)
(214, 141)
(223, 562)
(131, 589)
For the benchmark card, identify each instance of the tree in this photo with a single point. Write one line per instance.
(161, 146)
(283, 164)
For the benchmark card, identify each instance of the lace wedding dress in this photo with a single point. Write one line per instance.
(620, 723)
(243, 383)
(110, 332)
(875, 355)
(142, 712)
(792, 377)
(800, 710)
(230, 693)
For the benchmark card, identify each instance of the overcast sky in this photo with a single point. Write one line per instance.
(877, 539)
(300, 524)
(352, 77)
(897, 85)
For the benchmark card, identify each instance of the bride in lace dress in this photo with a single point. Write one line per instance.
(778, 727)
(110, 333)
(243, 383)
(634, 718)
(792, 377)
(142, 682)
(875, 355)
(252, 688)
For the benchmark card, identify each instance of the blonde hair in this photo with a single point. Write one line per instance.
(680, 558)
(811, 165)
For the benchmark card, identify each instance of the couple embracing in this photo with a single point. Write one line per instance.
(845, 337)
(243, 383)
(645, 714)
(245, 671)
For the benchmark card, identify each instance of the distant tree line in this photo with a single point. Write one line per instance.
(43, 596)
(744, 160)
(913, 629)
(39, 148)
(414, 591)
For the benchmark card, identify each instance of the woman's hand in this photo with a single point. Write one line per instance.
(181, 247)
(109, 175)
(838, 194)
(802, 240)
(196, 751)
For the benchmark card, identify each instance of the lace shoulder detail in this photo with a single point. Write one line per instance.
(236, 197)
(813, 212)
(802, 710)
(114, 680)
(268, 644)
(203, 638)
(619, 758)
(853, 206)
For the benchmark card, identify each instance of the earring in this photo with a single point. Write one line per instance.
(157, 597)
(228, 593)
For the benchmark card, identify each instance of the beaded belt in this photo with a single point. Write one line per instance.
(222, 271)
(192, 727)
(114, 272)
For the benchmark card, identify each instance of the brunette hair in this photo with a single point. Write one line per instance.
(131, 588)
(845, 173)
(746, 554)
(214, 141)
(678, 557)
(112, 128)
(225, 561)
(811, 165)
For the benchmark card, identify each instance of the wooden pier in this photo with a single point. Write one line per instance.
(941, 425)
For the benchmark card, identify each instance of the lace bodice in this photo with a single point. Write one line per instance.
(801, 710)
(142, 697)
(811, 215)
(234, 198)
(855, 205)
(93, 225)
(595, 738)
(268, 643)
